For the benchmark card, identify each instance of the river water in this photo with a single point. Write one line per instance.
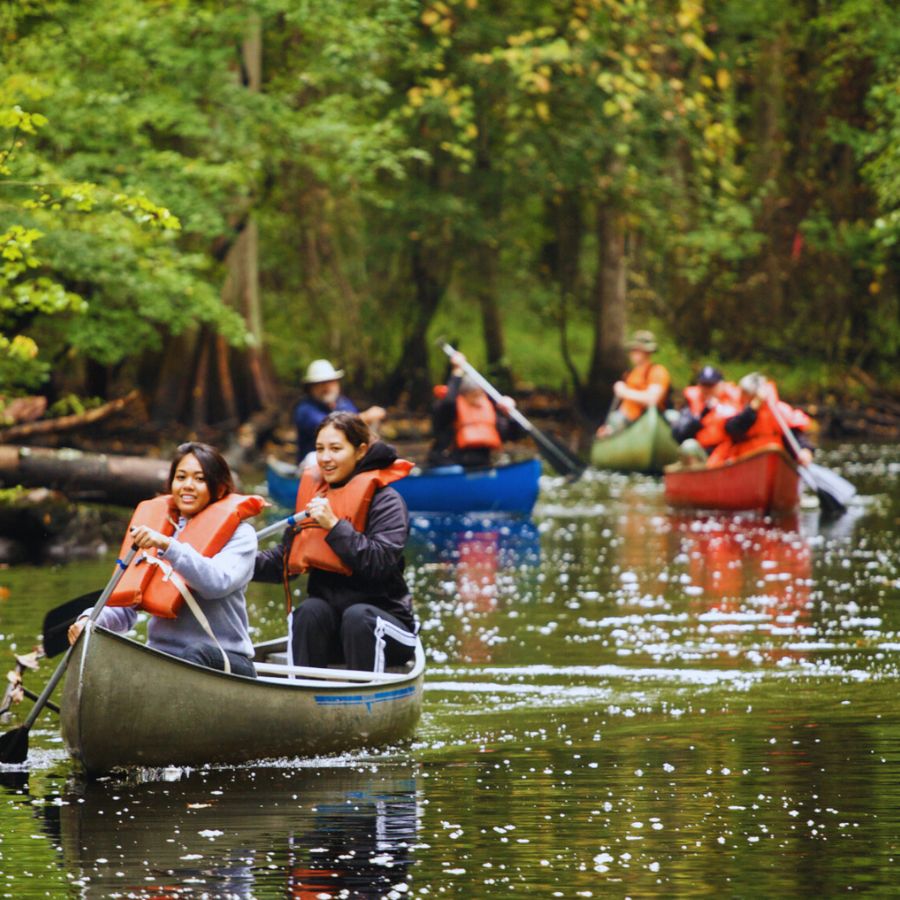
(621, 701)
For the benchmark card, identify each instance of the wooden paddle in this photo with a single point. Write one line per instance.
(57, 621)
(14, 744)
(561, 458)
(833, 491)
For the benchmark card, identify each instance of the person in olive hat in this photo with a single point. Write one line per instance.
(646, 384)
(322, 383)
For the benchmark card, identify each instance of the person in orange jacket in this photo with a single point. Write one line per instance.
(700, 427)
(646, 384)
(468, 426)
(755, 425)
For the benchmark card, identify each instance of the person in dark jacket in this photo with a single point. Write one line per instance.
(358, 607)
(467, 425)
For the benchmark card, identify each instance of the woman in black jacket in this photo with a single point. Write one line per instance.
(358, 607)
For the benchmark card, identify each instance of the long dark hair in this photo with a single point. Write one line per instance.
(218, 475)
(350, 425)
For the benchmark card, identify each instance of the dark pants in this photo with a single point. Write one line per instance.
(210, 655)
(364, 637)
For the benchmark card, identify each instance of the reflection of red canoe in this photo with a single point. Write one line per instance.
(766, 480)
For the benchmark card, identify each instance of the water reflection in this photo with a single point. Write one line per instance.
(296, 832)
(487, 557)
(511, 541)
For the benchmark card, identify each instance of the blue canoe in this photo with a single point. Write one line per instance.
(511, 488)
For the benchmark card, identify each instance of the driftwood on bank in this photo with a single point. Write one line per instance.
(66, 423)
(122, 480)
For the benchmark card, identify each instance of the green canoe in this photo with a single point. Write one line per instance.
(646, 445)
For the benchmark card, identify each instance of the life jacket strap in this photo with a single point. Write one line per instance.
(169, 574)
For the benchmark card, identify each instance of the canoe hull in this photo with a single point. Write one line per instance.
(645, 446)
(449, 489)
(126, 705)
(765, 481)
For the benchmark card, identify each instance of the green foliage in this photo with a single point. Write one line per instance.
(407, 163)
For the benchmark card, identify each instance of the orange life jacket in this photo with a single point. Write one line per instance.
(351, 501)
(145, 585)
(476, 424)
(712, 425)
(639, 380)
(764, 432)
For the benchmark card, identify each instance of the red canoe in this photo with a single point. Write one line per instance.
(766, 480)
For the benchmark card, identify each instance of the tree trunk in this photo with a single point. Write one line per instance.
(252, 378)
(562, 260)
(124, 480)
(609, 307)
(66, 423)
(492, 325)
(411, 375)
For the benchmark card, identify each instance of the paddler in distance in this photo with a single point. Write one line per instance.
(467, 425)
(646, 384)
(322, 384)
(700, 427)
(755, 425)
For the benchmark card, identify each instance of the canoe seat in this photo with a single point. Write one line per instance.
(281, 659)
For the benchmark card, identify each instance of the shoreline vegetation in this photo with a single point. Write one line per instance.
(219, 199)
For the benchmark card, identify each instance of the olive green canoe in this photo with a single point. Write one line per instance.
(126, 705)
(646, 445)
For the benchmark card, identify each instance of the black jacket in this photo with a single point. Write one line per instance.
(738, 425)
(375, 555)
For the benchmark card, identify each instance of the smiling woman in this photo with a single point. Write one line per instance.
(358, 608)
(196, 562)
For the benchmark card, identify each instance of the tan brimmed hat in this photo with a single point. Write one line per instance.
(320, 370)
(642, 340)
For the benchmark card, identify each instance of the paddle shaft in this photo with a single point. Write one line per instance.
(280, 525)
(805, 474)
(41, 701)
(537, 435)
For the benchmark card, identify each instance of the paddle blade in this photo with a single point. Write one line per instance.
(14, 746)
(838, 488)
(57, 622)
(561, 458)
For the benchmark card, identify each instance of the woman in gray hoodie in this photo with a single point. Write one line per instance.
(198, 476)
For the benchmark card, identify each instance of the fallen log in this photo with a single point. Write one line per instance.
(96, 477)
(66, 423)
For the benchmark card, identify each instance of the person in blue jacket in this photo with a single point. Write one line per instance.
(322, 383)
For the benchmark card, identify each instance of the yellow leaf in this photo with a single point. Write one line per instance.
(723, 79)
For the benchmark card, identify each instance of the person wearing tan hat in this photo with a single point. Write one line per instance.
(646, 384)
(322, 383)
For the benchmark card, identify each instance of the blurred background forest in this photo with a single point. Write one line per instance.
(197, 198)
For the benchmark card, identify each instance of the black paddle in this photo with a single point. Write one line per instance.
(14, 744)
(833, 491)
(561, 458)
(57, 621)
